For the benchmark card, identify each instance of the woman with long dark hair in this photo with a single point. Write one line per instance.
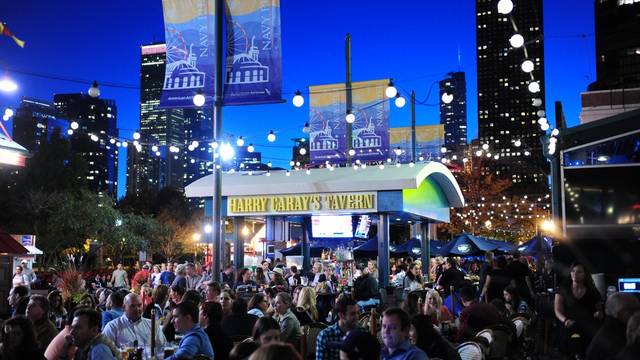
(258, 305)
(423, 335)
(577, 307)
(413, 279)
(19, 340)
(244, 279)
(513, 302)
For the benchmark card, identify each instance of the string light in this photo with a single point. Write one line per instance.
(298, 100)
(400, 101)
(350, 118)
(516, 40)
(271, 137)
(391, 90)
(240, 142)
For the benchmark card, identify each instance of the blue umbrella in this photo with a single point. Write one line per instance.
(296, 250)
(369, 249)
(531, 246)
(467, 245)
(413, 247)
(503, 246)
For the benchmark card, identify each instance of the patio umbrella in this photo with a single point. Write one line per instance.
(503, 246)
(413, 247)
(531, 246)
(467, 245)
(367, 250)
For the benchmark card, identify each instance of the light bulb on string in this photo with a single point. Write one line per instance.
(112, 141)
(94, 91)
(303, 151)
(195, 144)
(74, 125)
(381, 167)
(250, 148)
(199, 99)
(271, 137)
(306, 128)
(136, 135)
(70, 132)
(544, 126)
(505, 7)
(537, 102)
(527, 66)
(352, 152)
(517, 143)
(240, 141)
(298, 100)
(534, 87)
(516, 40)
(400, 101)
(555, 132)
(391, 90)
(541, 113)
(485, 146)
(478, 152)
(350, 118)
(136, 143)
(397, 151)
(446, 98)
(443, 149)
(124, 144)
(154, 148)
(542, 121)
(94, 137)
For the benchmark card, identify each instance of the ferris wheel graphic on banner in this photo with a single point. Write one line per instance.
(322, 136)
(243, 64)
(182, 71)
(364, 135)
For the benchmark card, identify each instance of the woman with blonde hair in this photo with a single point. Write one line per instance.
(433, 307)
(306, 310)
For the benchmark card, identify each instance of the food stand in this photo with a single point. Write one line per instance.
(420, 194)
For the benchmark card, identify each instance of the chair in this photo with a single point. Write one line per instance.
(501, 340)
(309, 339)
(470, 351)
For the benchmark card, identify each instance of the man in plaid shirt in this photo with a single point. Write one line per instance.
(347, 311)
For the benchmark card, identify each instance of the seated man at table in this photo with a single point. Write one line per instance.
(85, 334)
(131, 327)
(365, 289)
(395, 335)
(195, 341)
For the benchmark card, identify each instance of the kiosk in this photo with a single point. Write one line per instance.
(420, 194)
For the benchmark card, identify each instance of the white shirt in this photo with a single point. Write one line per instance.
(123, 332)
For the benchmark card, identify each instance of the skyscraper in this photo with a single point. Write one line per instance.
(453, 113)
(98, 117)
(617, 49)
(506, 115)
(34, 122)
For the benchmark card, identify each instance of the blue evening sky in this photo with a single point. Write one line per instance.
(414, 42)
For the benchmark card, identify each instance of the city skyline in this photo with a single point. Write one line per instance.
(402, 49)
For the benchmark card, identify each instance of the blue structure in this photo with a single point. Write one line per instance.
(467, 245)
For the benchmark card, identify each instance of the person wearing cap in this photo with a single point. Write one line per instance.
(141, 277)
(347, 311)
(28, 272)
(358, 345)
(278, 281)
(395, 335)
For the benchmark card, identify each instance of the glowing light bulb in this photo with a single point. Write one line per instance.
(271, 137)
(298, 100)
(516, 40)
(527, 66)
(351, 118)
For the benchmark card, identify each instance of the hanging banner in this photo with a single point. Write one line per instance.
(254, 55)
(429, 140)
(190, 38)
(370, 131)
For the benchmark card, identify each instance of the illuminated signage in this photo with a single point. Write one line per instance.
(464, 248)
(302, 204)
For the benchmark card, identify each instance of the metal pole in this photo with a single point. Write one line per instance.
(413, 126)
(383, 250)
(347, 54)
(216, 216)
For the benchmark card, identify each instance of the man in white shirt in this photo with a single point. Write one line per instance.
(131, 326)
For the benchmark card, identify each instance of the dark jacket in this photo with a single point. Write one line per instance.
(365, 287)
(476, 317)
(220, 342)
(45, 332)
(609, 339)
(239, 325)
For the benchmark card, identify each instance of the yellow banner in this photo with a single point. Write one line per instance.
(302, 204)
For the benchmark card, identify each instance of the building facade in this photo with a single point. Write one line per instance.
(617, 49)
(98, 117)
(506, 114)
(453, 113)
(34, 122)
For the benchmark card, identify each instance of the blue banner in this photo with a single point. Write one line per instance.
(190, 39)
(370, 131)
(254, 54)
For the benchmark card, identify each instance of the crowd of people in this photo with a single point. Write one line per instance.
(266, 312)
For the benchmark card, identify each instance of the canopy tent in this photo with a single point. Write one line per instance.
(8, 245)
(367, 250)
(413, 247)
(467, 245)
(531, 246)
(503, 246)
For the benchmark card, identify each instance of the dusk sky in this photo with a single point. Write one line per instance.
(414, 42)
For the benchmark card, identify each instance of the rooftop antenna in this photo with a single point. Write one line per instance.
(459, 59)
